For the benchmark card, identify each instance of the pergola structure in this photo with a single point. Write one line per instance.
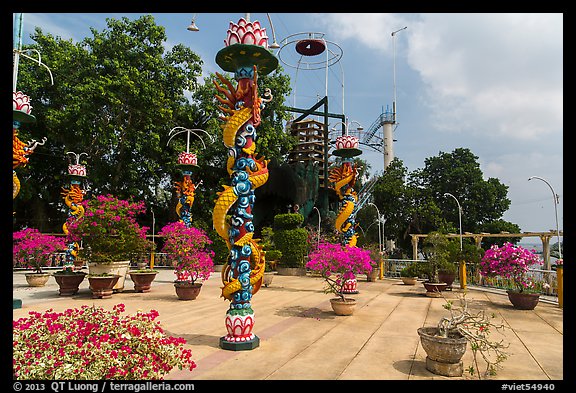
(544, 237)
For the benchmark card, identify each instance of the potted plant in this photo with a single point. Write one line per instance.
(68, 281)
(102, 284)
(375, 259)
(410, 273)
(91, 343)
(447, 272)
(436, 253)
(187, 249)
(33, 250)
(336, 264)
(142, 279)
(272, 257)
(513, 262)
(446, 343)
(110, 234)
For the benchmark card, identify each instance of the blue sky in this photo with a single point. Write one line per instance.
(490, 82)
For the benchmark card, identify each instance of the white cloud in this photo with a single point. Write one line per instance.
(492, 74)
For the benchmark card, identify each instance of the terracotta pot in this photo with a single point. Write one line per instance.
(103, 286)
(343, 307)
(142, 280)
(120, 268)
(187, 290)
(448, 278)
(69, 283)
(37, 279)
(409, 280)
(444, 354)
(434, 289)
(268, 276)
(522, 300)
(373, 275)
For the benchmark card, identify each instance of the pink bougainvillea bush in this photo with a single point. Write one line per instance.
(512, 262)
(187, 248)
(337, 263)
(109, 229)
(33, 250)
(93, 343)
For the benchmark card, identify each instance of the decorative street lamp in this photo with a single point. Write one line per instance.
(245, 54)
(462, 262)
(186, 161)
(319, 218)
(556, 202)
(378, 220)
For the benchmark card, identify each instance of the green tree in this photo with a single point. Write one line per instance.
(114, 97)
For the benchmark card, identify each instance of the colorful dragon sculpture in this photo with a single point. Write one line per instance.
(344, 178)
(185, 192)
(246, 55)
(73, 198)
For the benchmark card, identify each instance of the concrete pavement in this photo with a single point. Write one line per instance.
(302, 339)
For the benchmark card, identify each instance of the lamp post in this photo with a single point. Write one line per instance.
(556, 202)
(347, 126)
(462, 263)
(379, 220)
(154, 249)
(319, 218)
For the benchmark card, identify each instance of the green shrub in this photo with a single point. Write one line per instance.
(290, 240)
(288, 221)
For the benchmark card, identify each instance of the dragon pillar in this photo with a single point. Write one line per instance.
(73, 197)
(246, 54)
(344, 178)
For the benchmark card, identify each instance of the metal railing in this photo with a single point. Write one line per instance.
(545, 281)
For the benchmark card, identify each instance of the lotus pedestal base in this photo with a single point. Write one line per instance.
(239, 346)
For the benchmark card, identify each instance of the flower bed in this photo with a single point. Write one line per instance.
(93, 343)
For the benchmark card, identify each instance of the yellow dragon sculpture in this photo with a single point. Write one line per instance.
(344, 178)
(241, 107)
(73, 197)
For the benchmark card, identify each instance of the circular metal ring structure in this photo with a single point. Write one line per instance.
(311, 48)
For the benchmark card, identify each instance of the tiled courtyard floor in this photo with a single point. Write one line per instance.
(302, 339)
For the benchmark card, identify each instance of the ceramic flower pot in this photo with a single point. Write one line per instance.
(523, 300)
(343, 307)
(69, 284)
(433, 289)
(448, 278)
(268, 276)
(444, 354)
(37, 279)
(102, 287)
(409, 280)
(142, 280)
(187, 290)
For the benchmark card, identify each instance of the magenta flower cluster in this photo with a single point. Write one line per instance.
(109, 229)
(93, 343)
(337, 263)
(512, 262)
(188, 249)
(33, 250)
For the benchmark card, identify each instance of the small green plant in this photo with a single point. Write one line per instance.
(412, 270)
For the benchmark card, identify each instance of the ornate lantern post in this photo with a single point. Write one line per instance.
(21, 109)
(344, 178)
(246, 54)
(73, 197)
(186, 161)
